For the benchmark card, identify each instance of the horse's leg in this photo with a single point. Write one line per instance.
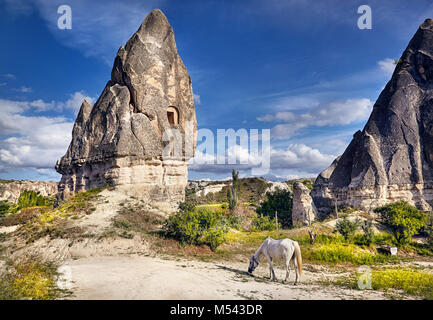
(287, 270)
(295, 265)
(271, 269)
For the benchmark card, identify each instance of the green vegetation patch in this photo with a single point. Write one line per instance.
(200, 226)
(340, 253)
(54, 222)
(30, 279)
(403, 220)
(413, 282)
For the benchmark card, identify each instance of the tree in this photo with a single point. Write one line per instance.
(347, 228)
(402, 219)
(281, 202)
(367, 228)
(234, 191)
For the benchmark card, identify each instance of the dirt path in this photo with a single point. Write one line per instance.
(137, 277)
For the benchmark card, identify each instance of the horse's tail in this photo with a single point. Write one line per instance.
(298, 257)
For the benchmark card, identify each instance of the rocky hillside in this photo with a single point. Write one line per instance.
(253, 190)
(392, 157)
(10, 190)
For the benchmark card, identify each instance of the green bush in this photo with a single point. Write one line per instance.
(281, 202)
(30, 199)
(368, 233)
(4, 208)
(187, 206)
(263, 223)
(402, 219)
(347, 228)
(201, 226)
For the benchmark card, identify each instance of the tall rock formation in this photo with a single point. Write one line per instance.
(141, 131)
(392, 157)
(304, 211)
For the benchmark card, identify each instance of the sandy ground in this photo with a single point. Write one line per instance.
(138, 277)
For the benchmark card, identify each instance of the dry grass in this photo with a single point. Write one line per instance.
(30, 279)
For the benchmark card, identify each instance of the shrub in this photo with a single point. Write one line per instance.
(4, 208)
(281, 202)
(32, 199)
(263, 223)
(347, 228)
(368, 233)
(402, 219)
(202, 226)
(187, 206)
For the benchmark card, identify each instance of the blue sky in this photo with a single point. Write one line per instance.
(298, 67)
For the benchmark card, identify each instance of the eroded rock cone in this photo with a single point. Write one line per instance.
(392, 157)
(141, 131)
(303, 209)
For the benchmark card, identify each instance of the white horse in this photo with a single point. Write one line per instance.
(277, 249)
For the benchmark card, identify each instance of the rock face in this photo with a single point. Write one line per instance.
(141, 131)
(202, 187)
(303, 210)
(392, 157)
(10, 190)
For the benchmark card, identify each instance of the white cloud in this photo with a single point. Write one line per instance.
(74, 102)
(35, 142)
(330, 114)
(296, 160)
(387, 66)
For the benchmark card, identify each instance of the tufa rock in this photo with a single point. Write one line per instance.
(141, 131)
(303, 210)
(392, 157)
(10, 190)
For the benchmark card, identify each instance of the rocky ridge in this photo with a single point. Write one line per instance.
(392, 157)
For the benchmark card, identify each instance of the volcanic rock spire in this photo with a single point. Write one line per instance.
(141, 131)
(392, 157)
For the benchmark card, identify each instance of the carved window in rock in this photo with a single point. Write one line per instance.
(173, 116)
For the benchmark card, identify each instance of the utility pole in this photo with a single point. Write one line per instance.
(276, 220)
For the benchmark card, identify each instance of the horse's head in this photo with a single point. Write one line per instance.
(253, 264)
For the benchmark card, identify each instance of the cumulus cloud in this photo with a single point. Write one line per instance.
(74, 102)
(35, 142)
(387, 66)
(297, 160)
(330, 114)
